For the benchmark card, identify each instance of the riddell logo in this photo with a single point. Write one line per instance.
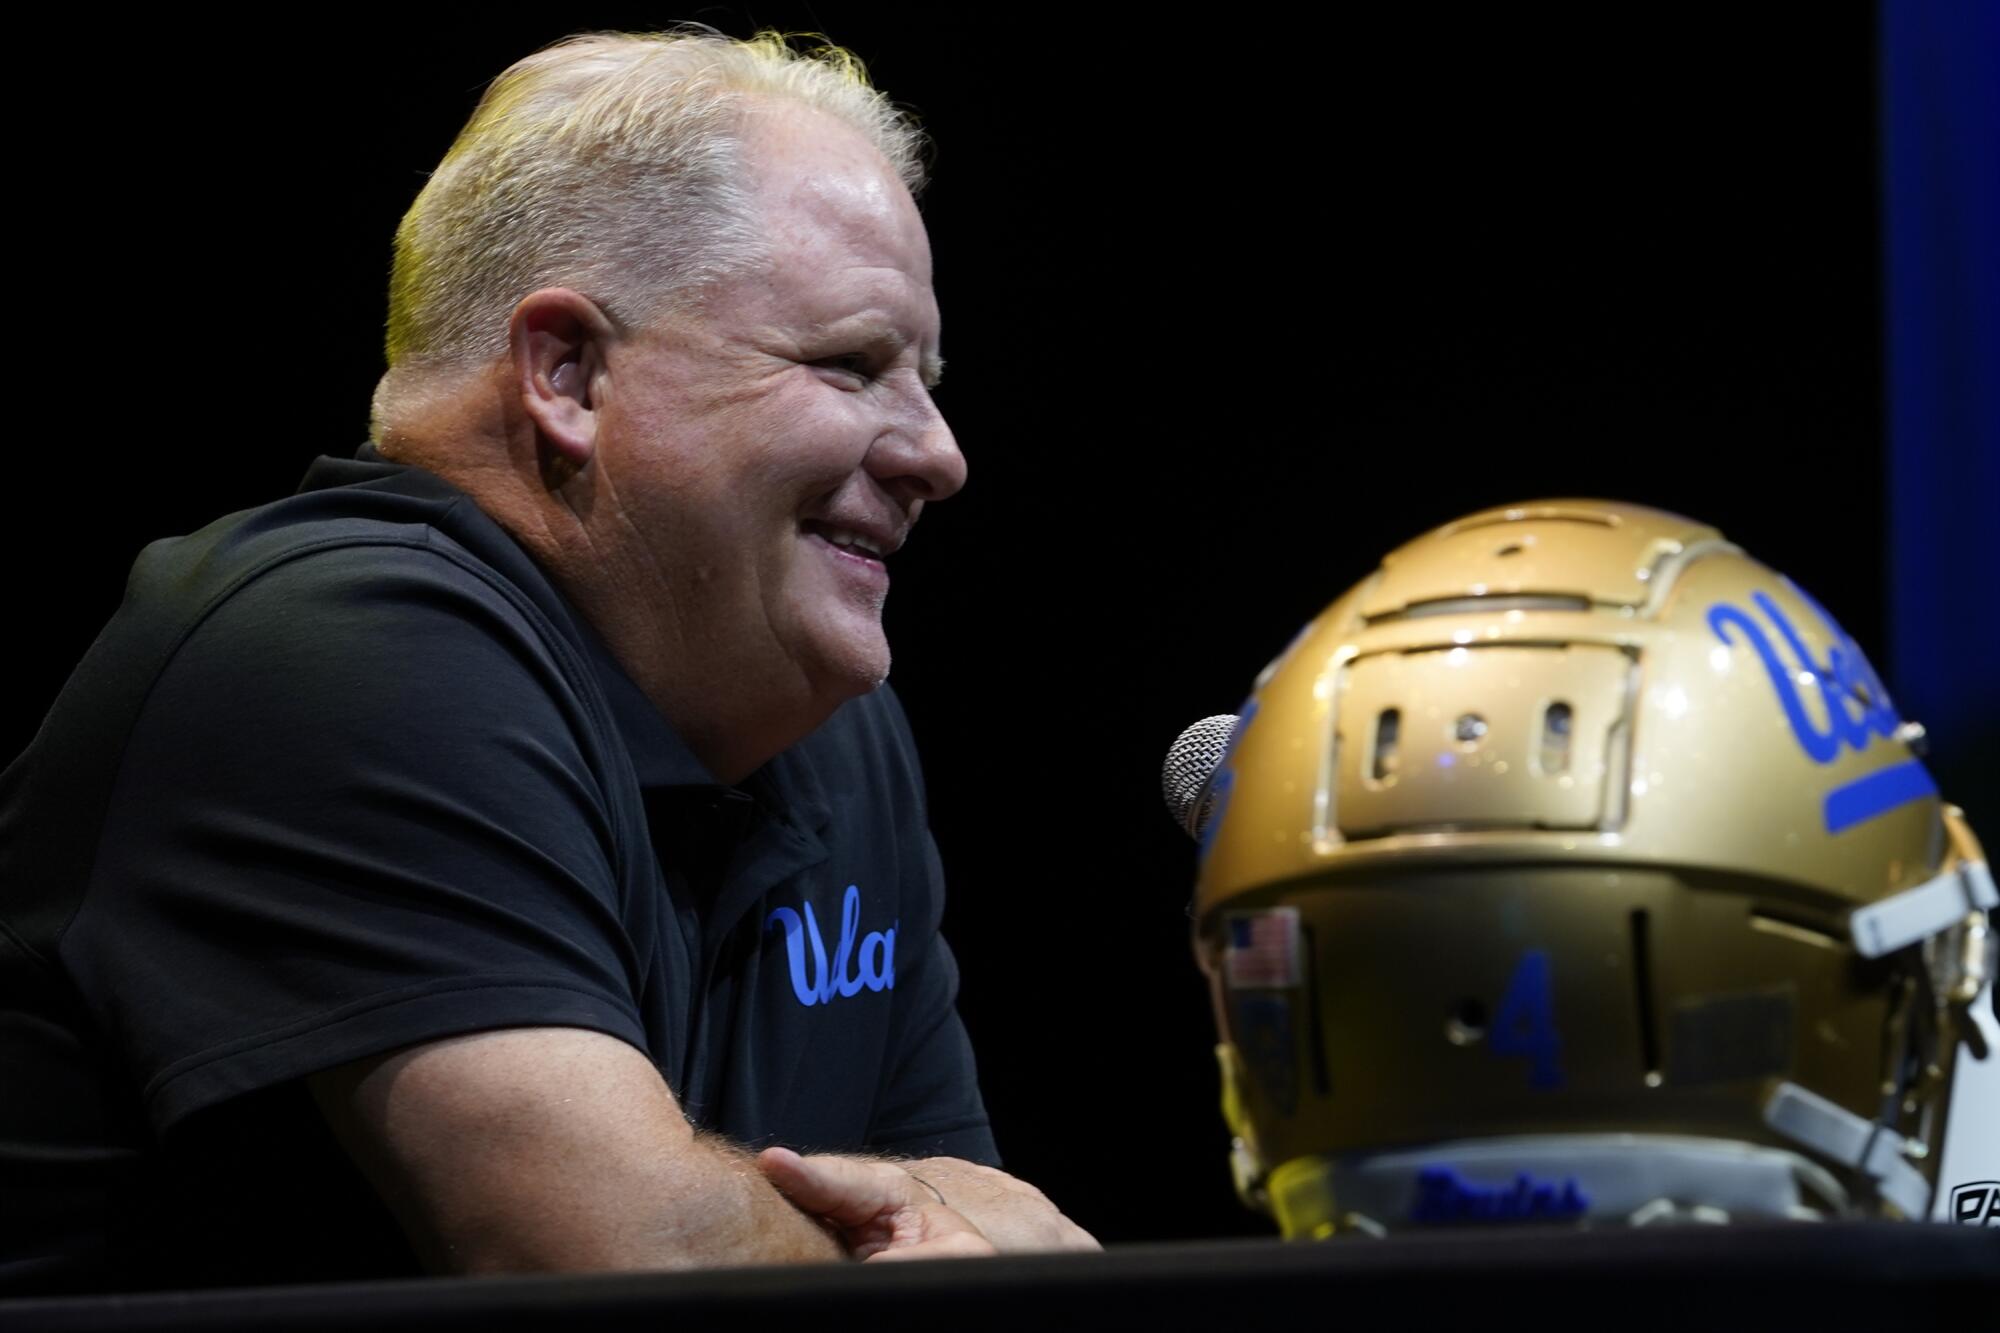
(1977, 1203)
(1444, 1197)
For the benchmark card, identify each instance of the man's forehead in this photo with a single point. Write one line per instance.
(818, 178)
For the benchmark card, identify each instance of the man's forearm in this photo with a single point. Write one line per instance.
(718, 1211)
(555, 1150)
(754, 1223)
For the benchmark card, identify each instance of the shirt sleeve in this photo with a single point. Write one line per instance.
(930, 1104)
(361, 809)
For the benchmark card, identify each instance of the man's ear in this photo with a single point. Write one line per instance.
(556, 339)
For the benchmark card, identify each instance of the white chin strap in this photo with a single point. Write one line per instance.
(1806, 1117)
(1896, 922)
(1921, 912)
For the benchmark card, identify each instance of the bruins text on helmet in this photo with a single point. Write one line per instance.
(1576, 867)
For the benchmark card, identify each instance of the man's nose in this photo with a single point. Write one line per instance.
(919, 457)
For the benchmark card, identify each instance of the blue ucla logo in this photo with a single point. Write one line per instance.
(1857, 707)
(874, 962)
(1844, 678)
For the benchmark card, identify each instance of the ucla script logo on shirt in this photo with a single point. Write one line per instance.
(870, 966)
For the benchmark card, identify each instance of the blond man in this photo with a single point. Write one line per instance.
(512, 834)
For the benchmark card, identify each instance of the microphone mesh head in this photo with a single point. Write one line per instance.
(1191, 762)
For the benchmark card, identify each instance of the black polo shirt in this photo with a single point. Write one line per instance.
(346, 773)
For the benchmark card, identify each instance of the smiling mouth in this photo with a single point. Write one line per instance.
(847, 541)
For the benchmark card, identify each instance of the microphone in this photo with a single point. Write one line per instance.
(1191, 763)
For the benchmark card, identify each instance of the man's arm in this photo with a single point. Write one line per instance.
(542, 1149)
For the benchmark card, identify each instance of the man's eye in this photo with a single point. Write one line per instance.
(853, 364)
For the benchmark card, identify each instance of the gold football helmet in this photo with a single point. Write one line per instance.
(1574, 866)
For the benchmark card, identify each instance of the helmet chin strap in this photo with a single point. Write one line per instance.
(1958, 897)
(1833, 1131)
(1918, 913)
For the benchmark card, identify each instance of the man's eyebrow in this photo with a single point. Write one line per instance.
(933, 370)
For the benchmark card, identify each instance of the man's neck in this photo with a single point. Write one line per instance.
(735, 720)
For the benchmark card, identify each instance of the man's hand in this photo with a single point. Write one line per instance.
(879, 1210)
(1011, 1215)
(1015, 1215)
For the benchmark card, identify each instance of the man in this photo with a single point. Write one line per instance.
(512, 820)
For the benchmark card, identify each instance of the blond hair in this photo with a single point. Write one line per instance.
(610, 163)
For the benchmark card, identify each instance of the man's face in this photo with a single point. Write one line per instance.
(755, 447)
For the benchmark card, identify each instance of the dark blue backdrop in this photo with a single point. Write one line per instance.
(1941, 190)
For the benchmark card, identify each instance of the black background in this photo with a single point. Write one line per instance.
(1233, 304)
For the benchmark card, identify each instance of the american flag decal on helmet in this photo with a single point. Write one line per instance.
(1262, 949)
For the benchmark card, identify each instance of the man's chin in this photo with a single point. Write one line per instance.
(851, 670)
(869, 678)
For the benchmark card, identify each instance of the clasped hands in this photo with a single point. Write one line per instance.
(934, 1208)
